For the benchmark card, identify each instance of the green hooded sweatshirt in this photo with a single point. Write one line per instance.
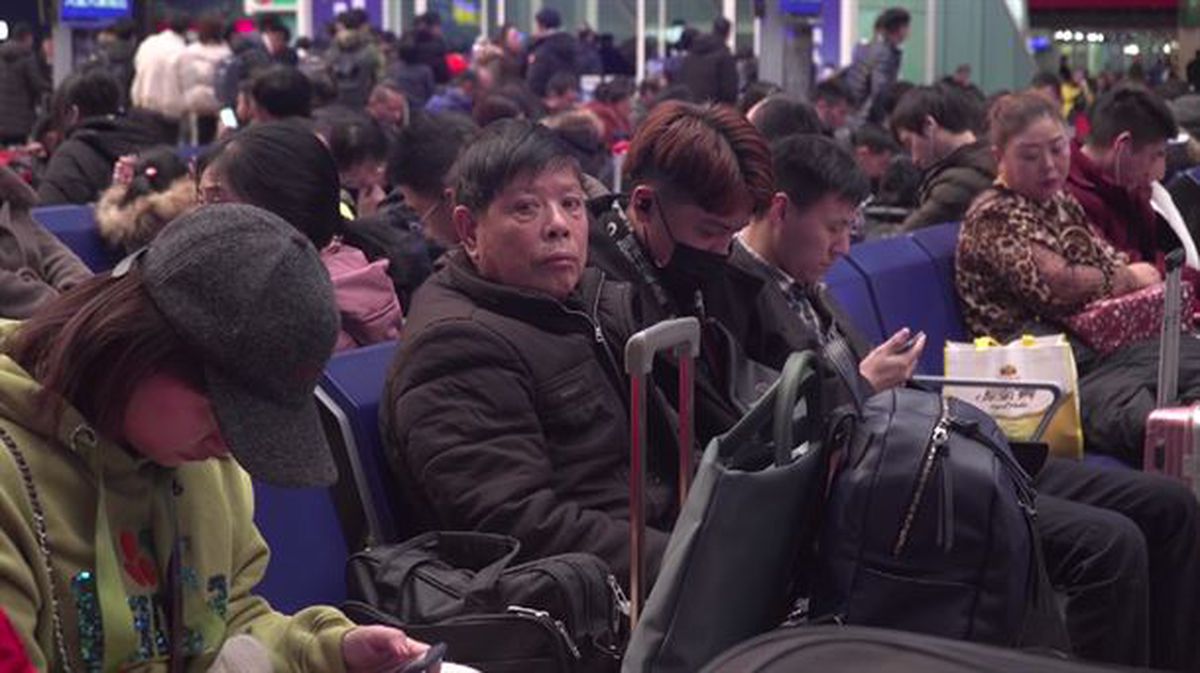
(112, 519)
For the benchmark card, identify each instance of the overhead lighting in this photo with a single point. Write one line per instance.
(1132, 50)
(3, 31)
(1078, 36)
(1166, 49)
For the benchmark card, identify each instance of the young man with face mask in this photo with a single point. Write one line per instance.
(696, 175)
(1113, 172)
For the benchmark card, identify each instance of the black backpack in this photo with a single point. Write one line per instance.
(561, 614)
(353, 76)
(930, 527)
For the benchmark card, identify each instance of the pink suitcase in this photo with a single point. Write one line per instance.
(1172, 432)
(1172, 436)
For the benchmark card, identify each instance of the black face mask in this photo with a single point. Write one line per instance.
(690, 268)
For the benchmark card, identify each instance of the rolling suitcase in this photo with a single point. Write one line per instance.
(1172, 432)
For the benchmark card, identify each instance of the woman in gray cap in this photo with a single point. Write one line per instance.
(131, 409)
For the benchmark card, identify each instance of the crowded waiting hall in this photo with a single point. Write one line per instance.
(599, 336)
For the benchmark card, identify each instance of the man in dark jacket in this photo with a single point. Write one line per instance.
(82, 166)
(875, 66)
(22, 87)
(696, 174)
(429, 46)
(1097, 526)
(937, 126)
(553, 51)
(709, 68)
(503, 410)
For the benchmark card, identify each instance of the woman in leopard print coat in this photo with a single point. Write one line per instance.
(1026, 253)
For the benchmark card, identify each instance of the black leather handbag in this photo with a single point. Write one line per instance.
(553, 615)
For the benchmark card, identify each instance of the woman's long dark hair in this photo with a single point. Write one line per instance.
(93, 344)
(284, 168)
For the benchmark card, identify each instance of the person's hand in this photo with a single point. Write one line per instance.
(369, 200)
(123, 169)
(378, 649)
(890, 364)
(1144, 275)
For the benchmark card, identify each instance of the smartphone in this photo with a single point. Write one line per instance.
(912, 341)
(427, 662)
(228, 118)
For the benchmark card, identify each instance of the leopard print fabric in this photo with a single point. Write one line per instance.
(998, 281)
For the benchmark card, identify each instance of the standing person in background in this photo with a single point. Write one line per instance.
(156, 83)
(355, 62)
(22, 86)
(875, 66)
(277, 39)
(709, 68)
(429, 46)
(554, 51)
(410, 75)
(198, 74)
(115, 47)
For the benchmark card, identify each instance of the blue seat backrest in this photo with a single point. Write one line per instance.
(848, 287)
(308, 547)
(354, 381)
(76, 227)
(940, 242)
(910, 291)
(189, 152)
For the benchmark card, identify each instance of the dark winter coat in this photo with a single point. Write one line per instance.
(82, 166)
(950, 185)
(552, 54)
(22, 85)
(710, 71)
(503, 413)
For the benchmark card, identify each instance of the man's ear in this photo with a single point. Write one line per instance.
(777, 211)
(1123, 139)
(72, 116)
(467, 228)
(641, 203)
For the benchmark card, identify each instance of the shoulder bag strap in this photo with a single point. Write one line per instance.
(43, 541)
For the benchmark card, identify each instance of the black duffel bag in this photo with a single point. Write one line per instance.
(553, 615)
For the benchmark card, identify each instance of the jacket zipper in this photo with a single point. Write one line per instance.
(545, 618)
(937, 439)
(594, 322)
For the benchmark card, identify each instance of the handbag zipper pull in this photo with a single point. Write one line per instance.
(545, 617)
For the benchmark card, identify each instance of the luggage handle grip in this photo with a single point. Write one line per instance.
(799, 371)
(1174, 260)
(682, 336)
(1053, 388)
(643, 346)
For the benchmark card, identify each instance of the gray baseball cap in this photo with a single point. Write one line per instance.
(250, 294)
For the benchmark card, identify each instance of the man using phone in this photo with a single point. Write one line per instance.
(791, 248)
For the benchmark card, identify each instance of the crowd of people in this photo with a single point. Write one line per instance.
(385, 188)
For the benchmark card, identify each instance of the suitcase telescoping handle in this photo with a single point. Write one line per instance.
(682, 337)
(1168, 345)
